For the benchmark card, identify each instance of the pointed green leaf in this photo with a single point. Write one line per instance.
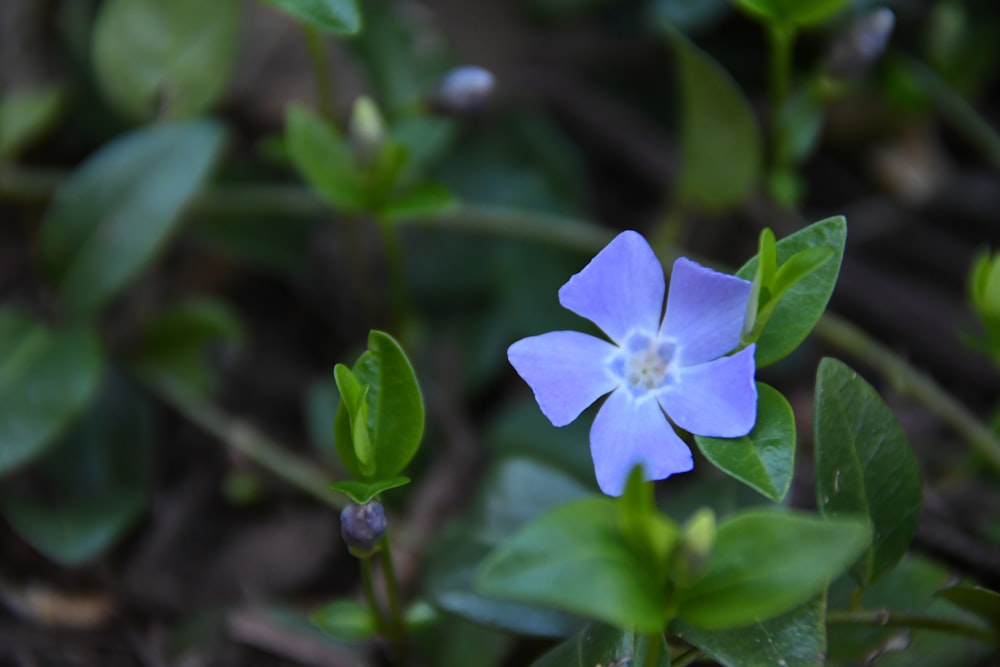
(651, 535)
(795, 639)
(337, 16)
(47, 377)
(598, 644)
(421, 200)
(864, 466)
(766, 563)
(764, 459)
(165, 60)
(173, 348)
(345, 620)
(788, 13)
(722, 147)
(324, 159)
(99, 477)
(546, 562)
(347, 419)
(116, 211)
(362, 492)
(803, 304)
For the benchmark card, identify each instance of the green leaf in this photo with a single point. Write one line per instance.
(599, 644)
(764, 459)
(362, 492)
(325, 160)
(978, 600)
(394, 423)
(864, 466)
(345, 620)
(99, 478)
(722, 148)
(117, 210)
(421, 200)
(47, 377)
(337, 16)
(173, 347)
(165, 60)
(803, 304)
(787, 13)
(765, 563)
(25, 117)
(795, 639)
(546, 562)
(514, 491)
(651, 535)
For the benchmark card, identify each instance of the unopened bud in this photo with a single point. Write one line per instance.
(362, 527)
(861, 45)
(366, 130)
(697, 542)
(464, 90)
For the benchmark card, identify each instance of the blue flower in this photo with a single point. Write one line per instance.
(673, 362)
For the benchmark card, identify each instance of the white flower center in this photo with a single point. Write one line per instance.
(643, 363)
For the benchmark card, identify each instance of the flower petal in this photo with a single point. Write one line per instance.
(620, 289)
(566, 371)
(627, 432)
(705, 311)
(717, 399)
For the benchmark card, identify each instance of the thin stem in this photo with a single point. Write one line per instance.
(689, 656)
(399, 307)
(654, 645)
(908, 381)
(397, 624)
(885, 618)
(366, 582)
(243, 438)
(321, 72)
(781, 39)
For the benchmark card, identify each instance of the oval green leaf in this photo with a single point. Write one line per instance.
(165, 60)
(864, 466)
(111, 216)
(803, 304)
(26, 116)
(345, 620)
(977, 600)
(546, 562)
(514, 492)
(388, 385)
(788, 13)
(599, 644)
(795, 639)
(338, 16)
(764, 459)
(100, 477)
(324, 159)
(722, 148)
(46, 379)
(766, 563)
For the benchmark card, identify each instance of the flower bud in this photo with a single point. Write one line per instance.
(366, 130)
(362, 527)
(697, 542)
(861, 45)
(464, 90)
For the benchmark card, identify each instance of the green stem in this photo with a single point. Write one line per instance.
(397, 624)
(908, 381)
(243, 438)
(781, 39)
(884, 618)
(366, 582)
(689, 656)
(321, 72)
(654, 645)
(399, 307)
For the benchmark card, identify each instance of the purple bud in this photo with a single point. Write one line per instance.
(861, 45)
(362, 526)
(464, 89)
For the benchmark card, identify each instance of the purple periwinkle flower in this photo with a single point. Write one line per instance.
(673, 362)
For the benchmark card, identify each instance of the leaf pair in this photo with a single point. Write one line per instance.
(380, 419)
